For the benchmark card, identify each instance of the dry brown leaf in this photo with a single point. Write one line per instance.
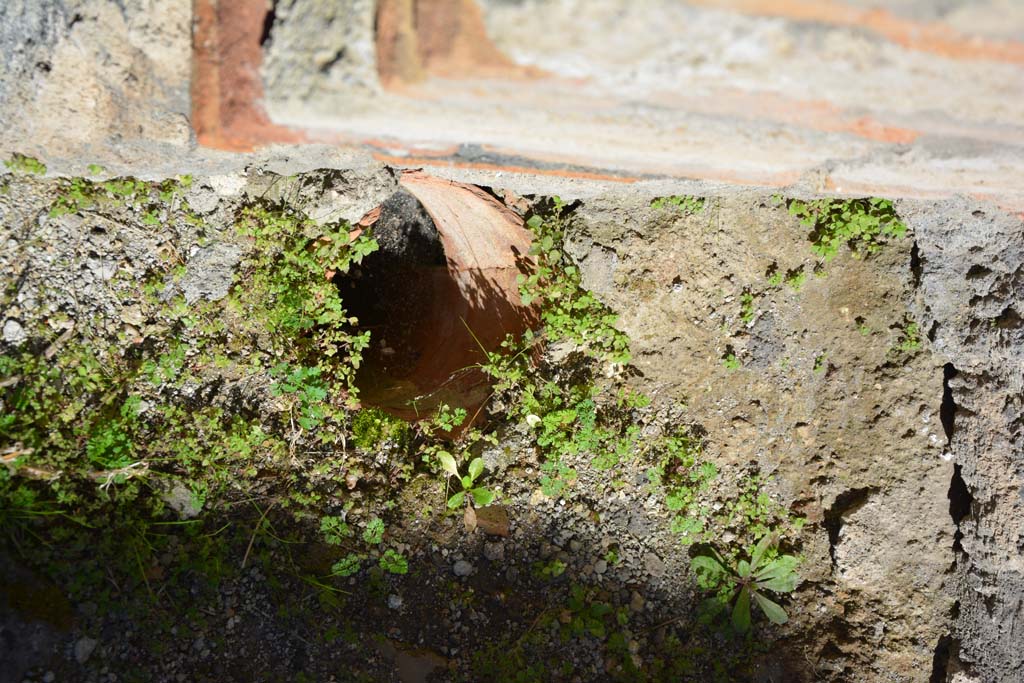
(469, 518)
(493, 520)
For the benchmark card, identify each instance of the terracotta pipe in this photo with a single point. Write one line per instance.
(474, 305)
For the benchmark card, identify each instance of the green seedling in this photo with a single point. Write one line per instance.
(347, 566)
(480, 495)
(394, 562)
(373, 534)
(747, 582)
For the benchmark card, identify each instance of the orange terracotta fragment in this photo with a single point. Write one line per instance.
(226, 86)
(474, 300)
(444, 38)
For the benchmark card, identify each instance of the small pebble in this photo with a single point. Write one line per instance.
(84, 648)
(494, 552)
(462, 568)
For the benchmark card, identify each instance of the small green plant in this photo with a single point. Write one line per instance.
(552, 569)
(394, 562)
(480, 495)
(447, 418)
(95, 169)
(864, 225)
(820, 363)
(77, 195)
(110, 445)
(587, 615)
(688, 205)
(373, 534)
(685, 477)
(730, 361)
(747, 309)
(347, 566)
(773, 275)
(796, 278)
(910, 340)
(19, 163)
(334, 530)
(567, 311)
(747, 581)
(306, 389)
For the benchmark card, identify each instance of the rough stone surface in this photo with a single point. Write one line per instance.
(316, 47)
(84, 74)
(971, 296)
(14, 333)
(908, 466)
(84, 648)
(857, 445)
(210, 273)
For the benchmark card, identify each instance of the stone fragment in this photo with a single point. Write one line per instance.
(84, 648)
(14, 333)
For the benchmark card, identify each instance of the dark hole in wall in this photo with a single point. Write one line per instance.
(947, 411)
(959, 495)
(268, 23)
(845, 503)
(977, 272)
(394, 290)
(1009, 319)
(940, 661)
(960, 500)
(915, 264)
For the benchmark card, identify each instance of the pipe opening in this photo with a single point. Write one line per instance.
(438, 294)
(393, 292)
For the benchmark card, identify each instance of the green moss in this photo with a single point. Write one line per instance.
(19, 163)
(371, 427)
(796, 278)
(685, 204)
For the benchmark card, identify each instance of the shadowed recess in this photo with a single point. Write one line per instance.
(439, 293)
